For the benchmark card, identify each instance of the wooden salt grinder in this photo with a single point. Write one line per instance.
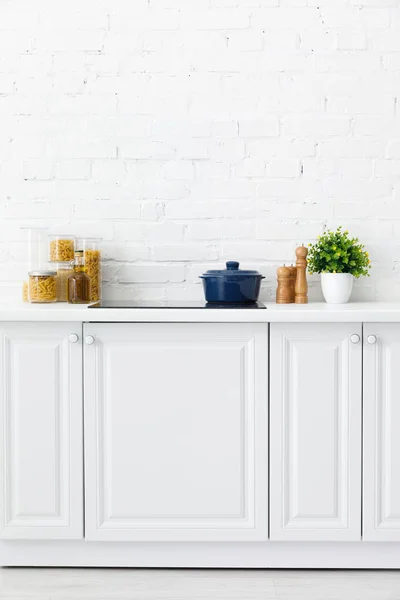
(293, 275)
(283, 291)
(301, 287)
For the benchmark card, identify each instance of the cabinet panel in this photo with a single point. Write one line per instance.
(381, 514)
(41, 428)
(315, 437)
(176, 432)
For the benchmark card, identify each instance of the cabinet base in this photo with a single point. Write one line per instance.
(270, 555)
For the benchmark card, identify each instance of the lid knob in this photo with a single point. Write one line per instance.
(232, 265)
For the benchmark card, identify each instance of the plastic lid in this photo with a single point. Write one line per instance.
(26, 228)
(62, 236)
(44, 273)
(232, 270)
(54, 263)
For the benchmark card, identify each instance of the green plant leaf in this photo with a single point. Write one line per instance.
(336, 252)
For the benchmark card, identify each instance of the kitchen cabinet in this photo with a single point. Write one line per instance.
(41, 462)
(200, 438)
(315, 431)
(176, 444)
(381, 494)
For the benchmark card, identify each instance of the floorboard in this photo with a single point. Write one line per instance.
(142, 584)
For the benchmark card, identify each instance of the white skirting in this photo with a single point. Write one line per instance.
(310, 555)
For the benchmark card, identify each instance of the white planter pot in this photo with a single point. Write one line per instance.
(337, 287)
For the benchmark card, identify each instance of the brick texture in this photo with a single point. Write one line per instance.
(189, 132)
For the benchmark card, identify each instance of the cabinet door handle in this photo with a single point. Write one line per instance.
(371, 339)
(73, 338)
(355, 338)
(89, 339)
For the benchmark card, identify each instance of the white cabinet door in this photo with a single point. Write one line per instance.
(381, 513)
(315, 435)
(176, 432)
(41, 458)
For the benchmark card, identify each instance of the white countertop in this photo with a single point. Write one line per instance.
(372, 312)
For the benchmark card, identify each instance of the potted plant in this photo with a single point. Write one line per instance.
(338, 258)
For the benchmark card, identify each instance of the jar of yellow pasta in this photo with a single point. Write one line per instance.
(42, 286)
(62, 248)
(25, 297)
(92, 261)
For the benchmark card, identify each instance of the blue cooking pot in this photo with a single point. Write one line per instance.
(232, 285)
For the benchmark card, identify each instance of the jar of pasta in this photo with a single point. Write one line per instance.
(92, 261)
(42, 286)
(62, 248)
(36, 243)
(64, 270)
(25, 295)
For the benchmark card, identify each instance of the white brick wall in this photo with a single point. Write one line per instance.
(189, 132)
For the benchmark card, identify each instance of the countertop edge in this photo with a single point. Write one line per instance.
(367, 312)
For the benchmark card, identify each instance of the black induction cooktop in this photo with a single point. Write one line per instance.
(170, 304)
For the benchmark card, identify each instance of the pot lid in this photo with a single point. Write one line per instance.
(42, 273)
(232, 270)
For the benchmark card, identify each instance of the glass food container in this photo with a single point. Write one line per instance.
(64, 270)
(42, 286)
(62, 248)
(78, 282)
(25, 294)
(36, 239)
(92, 261)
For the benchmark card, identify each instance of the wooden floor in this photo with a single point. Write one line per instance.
(99, 584)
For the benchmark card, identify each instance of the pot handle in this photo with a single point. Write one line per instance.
(232, 265)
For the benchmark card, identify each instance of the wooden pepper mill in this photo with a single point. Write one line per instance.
(283, 291)
(293, 275)
(301, 286)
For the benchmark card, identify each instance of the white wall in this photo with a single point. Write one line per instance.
(188, 132)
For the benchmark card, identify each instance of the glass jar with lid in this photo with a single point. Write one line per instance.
(61, 248)
(79, 282)
(42, 286)
(93, 267)
(25, 293)
(36, 239)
